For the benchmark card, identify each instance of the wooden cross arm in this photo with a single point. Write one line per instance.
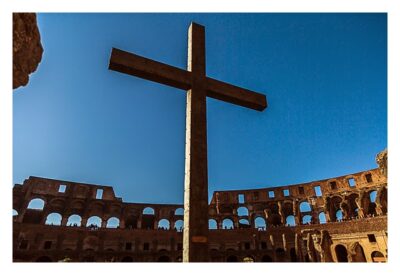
(132, 64)
(139, 66)
(235, 95)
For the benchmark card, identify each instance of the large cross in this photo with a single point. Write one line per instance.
(198, 87)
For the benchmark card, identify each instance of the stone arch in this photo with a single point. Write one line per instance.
(357, 253)
(94, 221)
(227, 223)
(377, 257)
(164, 223)
(244, 223)
(280, 255)
(322, 217)
(339, 215)
(36, 204)
(242, 211)
(179, 211)
(372, 202)
(74, 220)
(212, 224)
(305, 207)
(341, 253)
(260, 223)
(179, 225)
(290, 220)
(306, 219)
(113, 222)
(352, 205)
(131, 221)
(53, 219)
(148, 211)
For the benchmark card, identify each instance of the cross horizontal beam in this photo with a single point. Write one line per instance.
(142, 67)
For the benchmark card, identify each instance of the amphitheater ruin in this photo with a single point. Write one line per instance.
(342, 219)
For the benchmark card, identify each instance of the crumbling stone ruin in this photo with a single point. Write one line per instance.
(27, 48)
(342, 219)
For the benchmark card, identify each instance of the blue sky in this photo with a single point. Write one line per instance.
(324, 76)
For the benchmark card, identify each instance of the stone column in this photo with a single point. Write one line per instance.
(64, 221)
(84, 221)
(271, 239)
(220, 224)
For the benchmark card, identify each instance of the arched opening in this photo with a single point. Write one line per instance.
(242, 211)
(248, 259)
(274, 219)
(266, 259)
(227, 224)
(212, 224)
(131, 222)
(53, 219)
(290, 221)
(164, 259)
(179, 212)
(377, 257)
(339, 215)
(359, 256)
(112, 222)
(305, 207)
(306, 219)
(372, 204)
(15, 213)
(148, 218)
(127, 259)
(293, 255)
(44, 259)
(148, 221)
(37, 204)
(372, 196)
(148, 211)
(322, 218)
(260, 223)
(232, 259)
(74, 220)
(244, 223)
(93, 221)
(341, 253)
(383, 200)
(280, 255)
(179, 225)
(163, 224)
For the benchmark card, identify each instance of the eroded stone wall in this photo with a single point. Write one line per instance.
(337, 219)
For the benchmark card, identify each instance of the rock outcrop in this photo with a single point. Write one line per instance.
(27, 48)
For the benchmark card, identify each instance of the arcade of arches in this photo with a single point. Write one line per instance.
(341, 219)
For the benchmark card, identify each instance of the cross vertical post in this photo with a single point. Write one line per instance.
(195, 233)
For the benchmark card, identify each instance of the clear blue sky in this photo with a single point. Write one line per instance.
(324, 76)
